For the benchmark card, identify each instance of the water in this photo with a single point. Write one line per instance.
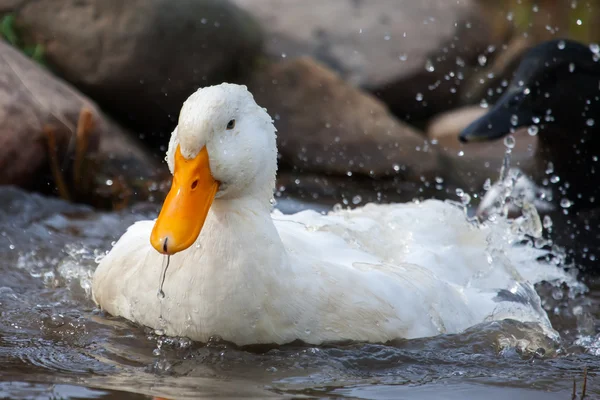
(54, 343)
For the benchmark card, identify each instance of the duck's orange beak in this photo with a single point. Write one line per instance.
(186, 206)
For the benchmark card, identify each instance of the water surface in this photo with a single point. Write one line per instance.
(54, 343)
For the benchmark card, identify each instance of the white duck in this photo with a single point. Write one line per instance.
(251, 276)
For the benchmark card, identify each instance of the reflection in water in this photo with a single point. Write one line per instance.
(51, 332)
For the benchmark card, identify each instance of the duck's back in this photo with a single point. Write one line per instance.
(423, 267)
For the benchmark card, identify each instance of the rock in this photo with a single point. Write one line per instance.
(140, 59)
(399, 49)
(447, 126)
(320, 190)
(39, 112)
(31, 99)
(471, 164)
(325, 125)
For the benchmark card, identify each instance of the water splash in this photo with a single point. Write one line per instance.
(517, 195)
(512, 194)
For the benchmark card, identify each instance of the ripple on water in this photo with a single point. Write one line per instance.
(50, 330)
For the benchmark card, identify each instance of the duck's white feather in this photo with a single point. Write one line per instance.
(372, 274)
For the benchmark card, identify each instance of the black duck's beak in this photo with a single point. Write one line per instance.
(508, 114)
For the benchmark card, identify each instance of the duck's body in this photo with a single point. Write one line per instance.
(373, 274)
(556, 90)
(250, 280)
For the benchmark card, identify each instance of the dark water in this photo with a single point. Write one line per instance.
(55, 344)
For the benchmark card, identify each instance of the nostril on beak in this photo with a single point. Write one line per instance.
(165, 245)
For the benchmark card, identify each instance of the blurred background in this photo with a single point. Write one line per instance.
(368, 96)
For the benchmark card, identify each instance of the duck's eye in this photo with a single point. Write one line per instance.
(231, 124)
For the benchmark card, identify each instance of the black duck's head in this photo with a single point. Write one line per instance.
(557, 83)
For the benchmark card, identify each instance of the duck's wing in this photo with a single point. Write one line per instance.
(437, 236)
(425, 261)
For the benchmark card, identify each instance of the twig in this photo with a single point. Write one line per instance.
(59, 180)
(82, 139)
(585, 372)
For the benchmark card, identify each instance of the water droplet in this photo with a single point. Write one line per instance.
(547, 222)
(429, 66)
(566, 203)
(595, 48)
(561, 45)
(419, 97)
(571, 67)
(514, 120)
(465, 199)
(356, 199)
(510, 141)
(557, 294)
(396, 167)
(487, 185)
(533, 130)
(56, 320)
(482, 59)
(590, 122)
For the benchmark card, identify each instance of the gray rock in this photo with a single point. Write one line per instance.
(325, 125)
(140, 59)
(399, 49)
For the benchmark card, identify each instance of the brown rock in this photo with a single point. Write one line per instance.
(38, 112)
(140, 59)
(399, 49)
(326, 125)
(31, 99)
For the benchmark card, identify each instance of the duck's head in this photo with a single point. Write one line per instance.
(223, 148)
(552, 86)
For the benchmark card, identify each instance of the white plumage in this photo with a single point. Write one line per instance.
(372, 274)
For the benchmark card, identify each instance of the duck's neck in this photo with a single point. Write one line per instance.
(239, 237)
